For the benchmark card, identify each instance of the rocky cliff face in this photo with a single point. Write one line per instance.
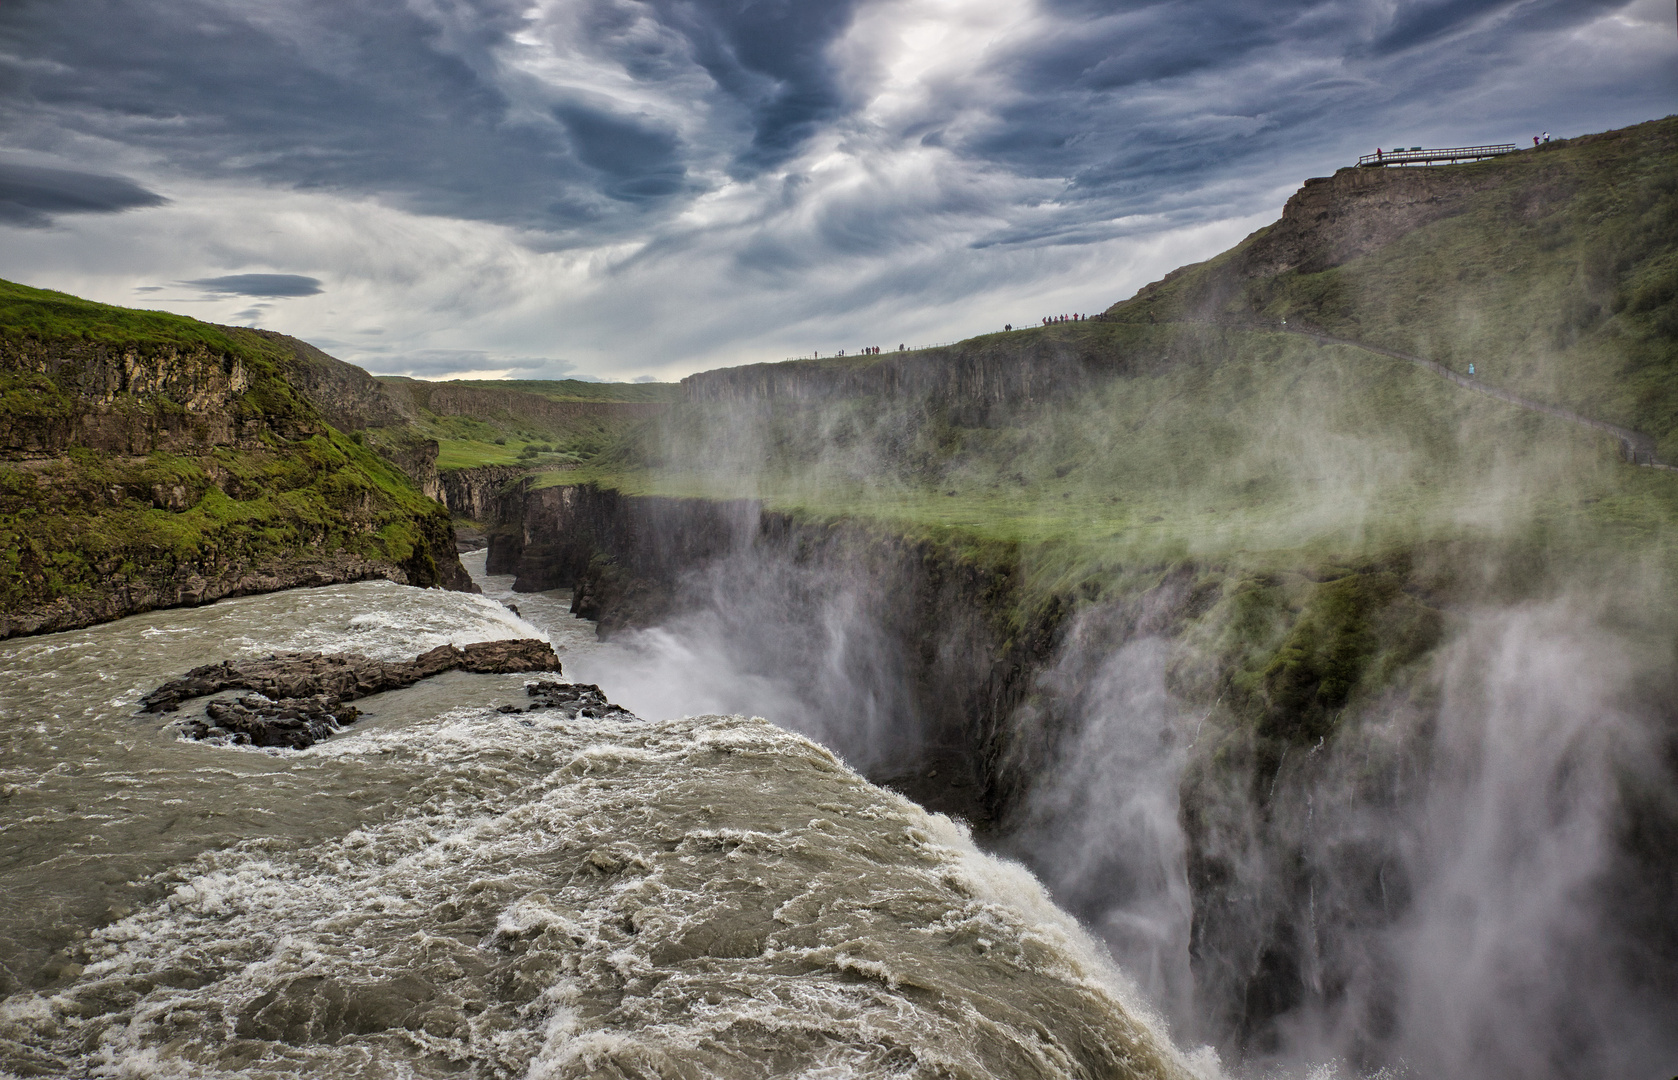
(478, 494)
(999, 370)
(946, 638)
(347, 397)
(128, 399)
(148, 460)
(1335, 219)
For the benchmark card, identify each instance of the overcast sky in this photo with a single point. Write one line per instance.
(630, 188)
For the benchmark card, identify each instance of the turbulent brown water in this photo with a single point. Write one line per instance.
(447, 889)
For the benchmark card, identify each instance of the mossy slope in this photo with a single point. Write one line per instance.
(1554, 271)
(1189, 435)
(153, 460)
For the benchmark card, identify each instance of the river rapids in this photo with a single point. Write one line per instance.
(453, 888)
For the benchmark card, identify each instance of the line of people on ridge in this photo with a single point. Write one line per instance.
(874, 350)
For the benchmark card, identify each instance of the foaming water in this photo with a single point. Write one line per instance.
(1102, 825)
(447, 888)
(93, 798)
(1469, 879)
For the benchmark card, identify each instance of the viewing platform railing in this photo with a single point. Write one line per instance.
(1444, 155)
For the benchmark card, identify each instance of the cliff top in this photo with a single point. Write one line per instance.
(555, 389)
(43, 313)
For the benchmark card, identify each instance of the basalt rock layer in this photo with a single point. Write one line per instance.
(148, 460)
(476, 493)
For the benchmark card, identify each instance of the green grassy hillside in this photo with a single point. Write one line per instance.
(1208, 429)
(564, 389)
(151, 460)
(1328, 506)
(560, 423)
(1554, 271)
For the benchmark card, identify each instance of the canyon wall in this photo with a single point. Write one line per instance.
(477, 493)
(999, 369)
(130, 399)
(1235, 778)
(450, 399)
(945, 644)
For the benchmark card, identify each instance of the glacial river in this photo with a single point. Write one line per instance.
(448, 889)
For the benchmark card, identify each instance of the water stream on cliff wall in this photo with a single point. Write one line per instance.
(461, 885)
(1469, 880)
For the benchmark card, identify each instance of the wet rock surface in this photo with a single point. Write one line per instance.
(347, 676)
(575, 699)
(258, 720)
(299, 697)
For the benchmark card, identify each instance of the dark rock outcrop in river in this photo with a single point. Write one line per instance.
(299, 723)
(258, 720)
(299, 696)
(347, 676)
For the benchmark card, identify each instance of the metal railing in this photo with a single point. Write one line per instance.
(1418, 156)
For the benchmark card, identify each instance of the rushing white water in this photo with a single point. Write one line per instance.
(1470, 878)
(1442, 889)
(1103, 823)
(447, 888)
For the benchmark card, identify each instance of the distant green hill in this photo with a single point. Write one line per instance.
(561, 423)
(1192, 418)
(1553, 270)
(562, 389)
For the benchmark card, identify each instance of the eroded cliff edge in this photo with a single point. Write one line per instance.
(149, 460)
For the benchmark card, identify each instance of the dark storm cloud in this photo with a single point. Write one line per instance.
(638, 161)
(413, 102)
(771, 56)
(260, 285)
(31, 195)
(1418, 24)
(1143, 106)
(376, 96)
(364, 97)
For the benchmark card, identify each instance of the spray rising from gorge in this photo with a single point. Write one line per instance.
(1332, 694)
